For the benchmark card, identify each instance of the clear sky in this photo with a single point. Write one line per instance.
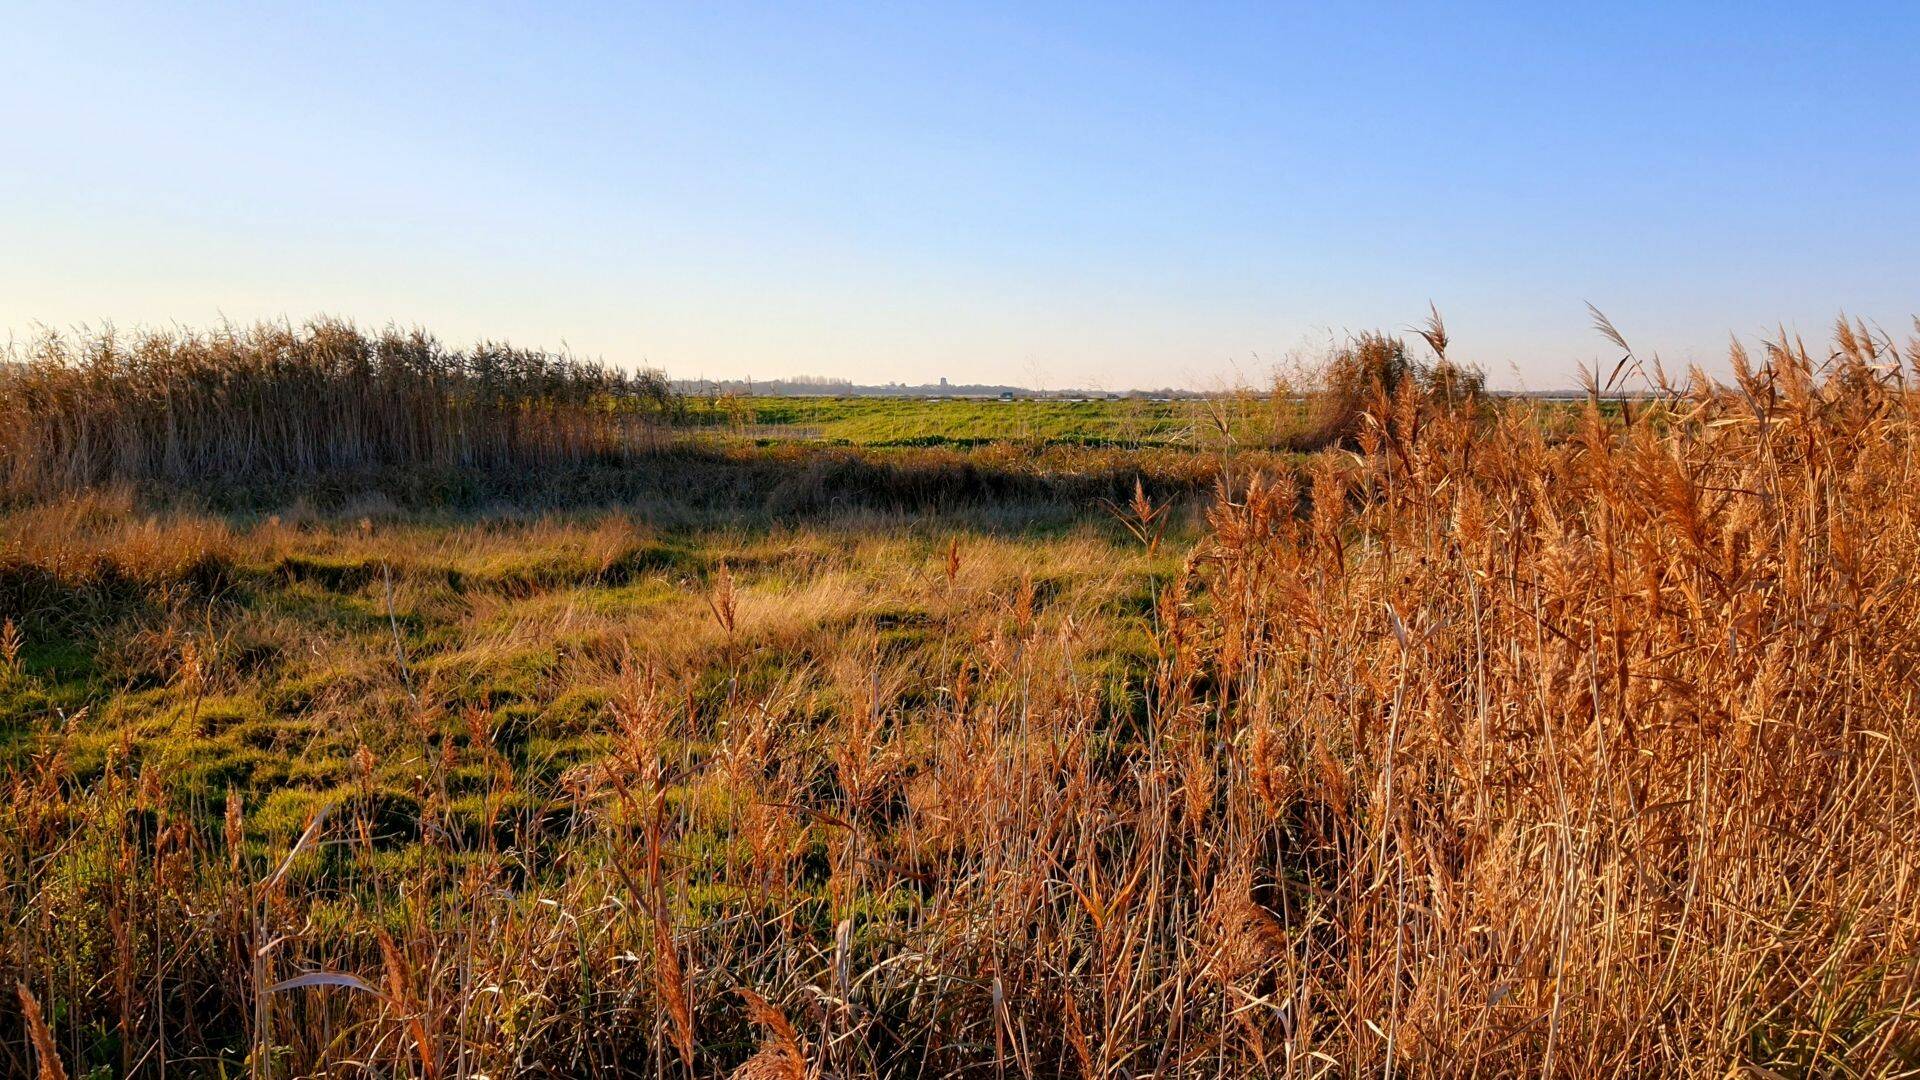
(1108, 195)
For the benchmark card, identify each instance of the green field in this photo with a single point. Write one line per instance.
(1247, 419)
(873, 421)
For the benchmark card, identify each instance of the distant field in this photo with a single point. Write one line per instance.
(920, 422)
(1124, 423)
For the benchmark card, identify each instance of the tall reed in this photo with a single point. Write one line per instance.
(280, 402)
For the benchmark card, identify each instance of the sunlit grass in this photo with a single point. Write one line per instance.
(1490, 740)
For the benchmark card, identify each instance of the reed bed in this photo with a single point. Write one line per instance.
(91, 409)
(1495, 746)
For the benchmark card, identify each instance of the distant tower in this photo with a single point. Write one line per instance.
(943, 380)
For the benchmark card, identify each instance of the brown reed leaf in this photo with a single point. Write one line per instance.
(43, 1043)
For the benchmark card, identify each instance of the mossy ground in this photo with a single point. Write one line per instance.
(299, 672)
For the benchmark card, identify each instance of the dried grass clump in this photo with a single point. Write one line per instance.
(1372, 369)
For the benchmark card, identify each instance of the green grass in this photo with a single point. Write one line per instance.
(880, 422)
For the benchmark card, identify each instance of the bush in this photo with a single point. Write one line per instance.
(1375, 368)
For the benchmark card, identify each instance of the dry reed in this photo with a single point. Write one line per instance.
(274, 401)
(1488, 749)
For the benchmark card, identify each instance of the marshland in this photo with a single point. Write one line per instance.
(374, 707)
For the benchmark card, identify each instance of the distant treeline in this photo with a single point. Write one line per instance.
(276, 400)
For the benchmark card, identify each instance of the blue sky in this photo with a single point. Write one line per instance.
(1106, 195)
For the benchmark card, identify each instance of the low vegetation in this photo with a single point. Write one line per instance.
(1488, 738)
(1121, 423)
